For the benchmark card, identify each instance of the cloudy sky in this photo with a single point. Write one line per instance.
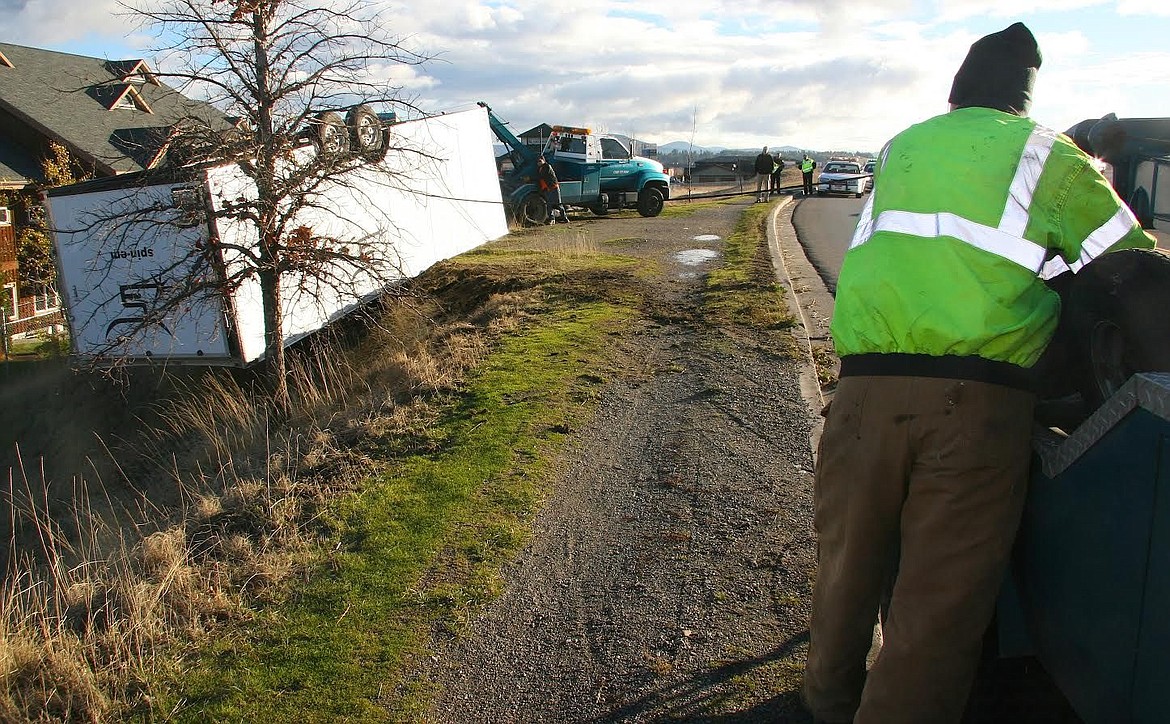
(816, 74)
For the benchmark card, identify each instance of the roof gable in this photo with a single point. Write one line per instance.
(124, 69)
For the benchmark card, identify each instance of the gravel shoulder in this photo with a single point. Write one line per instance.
(669, 574)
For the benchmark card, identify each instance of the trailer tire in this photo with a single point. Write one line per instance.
(366, 136)
(329, 134)
(650, 202)
(533, 210)
(1116, 317)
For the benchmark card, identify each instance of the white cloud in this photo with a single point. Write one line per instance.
(741, 73)
(50, 22)
(1143, 7)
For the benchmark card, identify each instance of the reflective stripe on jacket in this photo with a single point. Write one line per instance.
(975, 210)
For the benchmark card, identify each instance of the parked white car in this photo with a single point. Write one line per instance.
(842, 177)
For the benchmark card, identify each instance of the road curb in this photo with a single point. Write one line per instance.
(809, 301)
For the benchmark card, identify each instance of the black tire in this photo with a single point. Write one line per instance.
(1116, 317)
(601, 208)
(329, 134)
(650, 202)
(366, 136)
(533, 210)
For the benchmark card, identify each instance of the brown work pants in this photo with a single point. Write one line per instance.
(919, 481)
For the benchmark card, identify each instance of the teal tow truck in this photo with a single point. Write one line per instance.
(597, 173)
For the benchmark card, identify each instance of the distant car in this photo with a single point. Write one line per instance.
(868, 168)
(842, 177)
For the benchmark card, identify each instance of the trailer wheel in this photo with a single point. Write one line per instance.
(533, 210)
(650, 202)
(365, 133)
(329, 134)
(1116, 316)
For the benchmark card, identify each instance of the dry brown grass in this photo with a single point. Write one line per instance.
(214, 504)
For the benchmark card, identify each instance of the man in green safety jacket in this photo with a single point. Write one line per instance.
(806, 169)
(941, 312)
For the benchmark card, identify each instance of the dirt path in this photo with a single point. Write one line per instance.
(669, 574)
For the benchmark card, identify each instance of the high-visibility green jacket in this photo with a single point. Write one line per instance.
(973, 211)
(807, 165)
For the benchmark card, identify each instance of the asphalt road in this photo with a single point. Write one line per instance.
(824, 225)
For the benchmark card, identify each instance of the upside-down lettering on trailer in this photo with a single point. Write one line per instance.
(126, 242)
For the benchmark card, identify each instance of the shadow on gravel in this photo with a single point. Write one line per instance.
(694, 699)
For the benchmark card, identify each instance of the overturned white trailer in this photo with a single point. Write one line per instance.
(125, 243)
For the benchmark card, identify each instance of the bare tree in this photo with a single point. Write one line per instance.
(279, 70)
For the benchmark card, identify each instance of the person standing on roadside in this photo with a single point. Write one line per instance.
(777, 169)
(806, 169)
(763, 168)
(547, 180)
(941, 312)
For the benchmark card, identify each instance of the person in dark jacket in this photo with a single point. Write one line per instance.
(546, 178)
(763, 168)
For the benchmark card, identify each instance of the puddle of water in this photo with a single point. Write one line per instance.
(694, 257)
(707, 237)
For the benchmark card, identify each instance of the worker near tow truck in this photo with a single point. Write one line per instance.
(941, 311)
(806, 169)
(546, 179)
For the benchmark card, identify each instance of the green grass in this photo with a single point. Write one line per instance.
(744, 289)
(419, 545)
(679, 208)
(419, 548)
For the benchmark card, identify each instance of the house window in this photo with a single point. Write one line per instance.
(46, 301)
(5, 216)
(126, 102)
(131, 99)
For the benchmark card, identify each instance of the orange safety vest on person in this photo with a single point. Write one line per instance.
(547, 178)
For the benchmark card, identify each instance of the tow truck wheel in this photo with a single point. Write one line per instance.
(533, 210)
(365, 132)
(601, 208)
(650, 202)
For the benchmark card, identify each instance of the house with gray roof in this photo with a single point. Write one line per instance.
(112, 116)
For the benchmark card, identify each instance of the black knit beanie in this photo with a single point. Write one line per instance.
(999, 72)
